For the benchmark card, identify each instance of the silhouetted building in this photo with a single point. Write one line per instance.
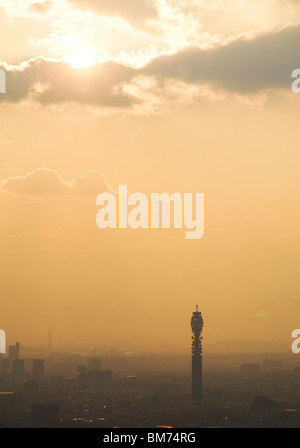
(13, 353)
(265, 411)
(38, 371)
(272, 364)
(296, 371)
(250, 369)
(4, 363)
(100, 382)
(95, 382)
(197, 326)
(82, 377)
(18, 370)
(49, 341)
(94, 365)
(82, 369)
(107, 382)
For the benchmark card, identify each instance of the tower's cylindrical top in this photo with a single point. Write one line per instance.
(197, 321)
(197, 327)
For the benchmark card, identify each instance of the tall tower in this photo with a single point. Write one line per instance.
(49, 341)
(197, 326)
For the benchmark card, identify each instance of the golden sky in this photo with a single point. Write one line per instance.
(160, 95)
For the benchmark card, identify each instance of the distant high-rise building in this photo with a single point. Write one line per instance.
(18, 370)
(272, 364)
(49, 341)
(107, 376)
(197, 326)
(265, 411)
(82, 377)
(81, 369)
(38, 370)
(100, 382)
(94, 365)
(95, 382)
(250, 369)
(13, 353)
(3, 366)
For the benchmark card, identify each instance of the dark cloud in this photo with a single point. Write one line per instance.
(44, 181)
(243, 66)
(134, 11)
(49, 81)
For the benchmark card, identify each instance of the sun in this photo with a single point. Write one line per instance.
(83, 57)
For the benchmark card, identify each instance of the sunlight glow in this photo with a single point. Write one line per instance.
(83, 57)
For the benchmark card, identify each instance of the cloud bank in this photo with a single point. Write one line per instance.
(134, 11)
(49, 81)
(243, 67)
(41, 7)
(44, 181)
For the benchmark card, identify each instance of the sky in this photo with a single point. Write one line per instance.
(161, 96)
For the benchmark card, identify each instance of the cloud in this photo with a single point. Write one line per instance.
(44, 181)
(41, 7)
(245, 66)
(135, 12)
(49, 81)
